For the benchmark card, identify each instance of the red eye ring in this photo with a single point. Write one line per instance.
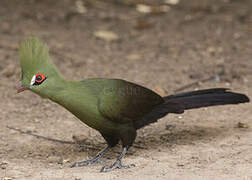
(39, 77)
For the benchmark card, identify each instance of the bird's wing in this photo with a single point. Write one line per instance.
(123, 101)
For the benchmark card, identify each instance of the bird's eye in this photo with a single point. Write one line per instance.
(38, 79)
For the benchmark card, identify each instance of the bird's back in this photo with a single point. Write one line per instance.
(122, 101)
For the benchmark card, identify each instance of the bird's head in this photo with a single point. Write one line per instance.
(38, 71)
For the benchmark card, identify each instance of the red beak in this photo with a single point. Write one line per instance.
(21, 88)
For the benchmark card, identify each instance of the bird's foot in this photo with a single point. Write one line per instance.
(95, 160)
(115, 165)
(87, 163)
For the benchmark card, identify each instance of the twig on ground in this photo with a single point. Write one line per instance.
(50, 139)
(197, 83)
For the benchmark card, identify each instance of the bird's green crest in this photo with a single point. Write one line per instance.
(34, 58)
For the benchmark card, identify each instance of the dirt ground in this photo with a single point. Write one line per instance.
(199, 43)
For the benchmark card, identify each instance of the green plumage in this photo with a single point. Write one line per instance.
(34, 58)
(114, 107)
(103, 104)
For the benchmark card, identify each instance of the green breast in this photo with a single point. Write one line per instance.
(82, 102)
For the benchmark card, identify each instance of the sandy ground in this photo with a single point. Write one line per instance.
(190, 43)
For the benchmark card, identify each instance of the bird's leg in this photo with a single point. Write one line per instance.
(94, 160)
(118, 163)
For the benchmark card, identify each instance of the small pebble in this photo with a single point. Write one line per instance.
(7, 178)
(242, 125)
(65, 161)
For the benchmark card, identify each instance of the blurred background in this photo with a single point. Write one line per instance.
(166, 45)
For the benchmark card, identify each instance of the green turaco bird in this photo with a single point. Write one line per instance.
(114, 107)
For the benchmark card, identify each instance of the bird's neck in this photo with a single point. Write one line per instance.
(56, 90)
(66, 92)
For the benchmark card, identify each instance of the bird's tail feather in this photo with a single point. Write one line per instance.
(204, 98)
(178, 103)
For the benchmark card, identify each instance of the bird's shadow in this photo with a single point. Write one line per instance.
(153, 140)
(81, 144)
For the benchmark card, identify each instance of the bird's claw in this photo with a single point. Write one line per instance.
(115, 165)
(80, 164)
(88, 162)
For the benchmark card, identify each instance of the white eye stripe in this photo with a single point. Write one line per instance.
(33, 80)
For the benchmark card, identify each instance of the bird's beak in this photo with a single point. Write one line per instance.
(21, 88)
